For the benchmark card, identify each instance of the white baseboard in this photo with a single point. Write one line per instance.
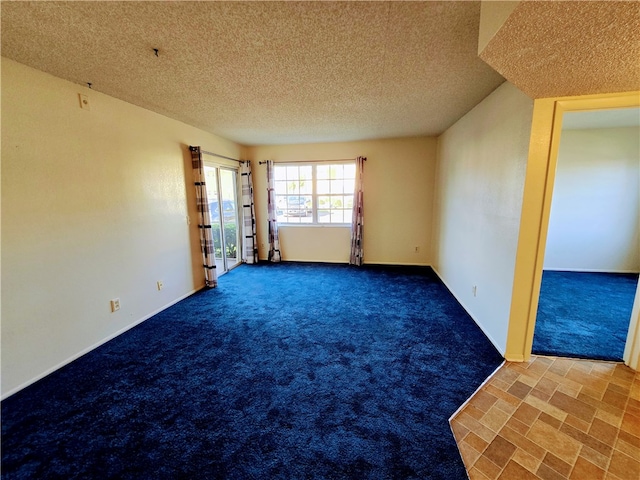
(486, 334)
(399, 264)
(304, 260)
(96, 345)
(344, 262)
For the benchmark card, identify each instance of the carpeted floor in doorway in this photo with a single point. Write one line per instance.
(288, 371)
(584, 315)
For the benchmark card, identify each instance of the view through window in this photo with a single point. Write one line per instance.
(320, 193)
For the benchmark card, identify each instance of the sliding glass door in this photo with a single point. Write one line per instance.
(223, 205)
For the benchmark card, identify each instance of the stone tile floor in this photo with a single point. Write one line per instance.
(552, 419)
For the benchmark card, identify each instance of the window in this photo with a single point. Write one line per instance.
(319, 193)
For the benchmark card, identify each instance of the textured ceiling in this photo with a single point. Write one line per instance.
(565, 48)
(267, 72)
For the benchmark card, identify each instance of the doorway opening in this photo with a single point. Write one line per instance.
(592, 254)
(541, 168)
(222, 193)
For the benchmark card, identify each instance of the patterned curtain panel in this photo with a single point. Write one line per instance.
(274, 239)
(248, 214)
(357, 254)
(204, 219)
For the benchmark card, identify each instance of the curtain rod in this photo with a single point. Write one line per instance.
(315, 161)
(217, 155)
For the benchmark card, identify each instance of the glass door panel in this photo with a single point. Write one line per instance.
(211, 177)
(230, 224)
(223, 207)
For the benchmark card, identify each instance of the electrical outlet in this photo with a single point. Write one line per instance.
(115, 305)
(160, 284)
(474, 289)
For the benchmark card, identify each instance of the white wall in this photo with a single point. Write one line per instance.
(398, 202)
(480, 181)
(94, 206)
(594, 218)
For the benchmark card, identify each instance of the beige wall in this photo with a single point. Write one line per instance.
(94, 206)
(399, 183)
(493, 14)
(480, 180)
(594, 219)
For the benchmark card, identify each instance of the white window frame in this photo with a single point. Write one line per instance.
(314, 195)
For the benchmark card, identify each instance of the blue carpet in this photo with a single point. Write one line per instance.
(289, 371)
(584, 315)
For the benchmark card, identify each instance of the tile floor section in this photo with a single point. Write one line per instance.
(551, 419)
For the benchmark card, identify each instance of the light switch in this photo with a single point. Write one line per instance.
(84, 102)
